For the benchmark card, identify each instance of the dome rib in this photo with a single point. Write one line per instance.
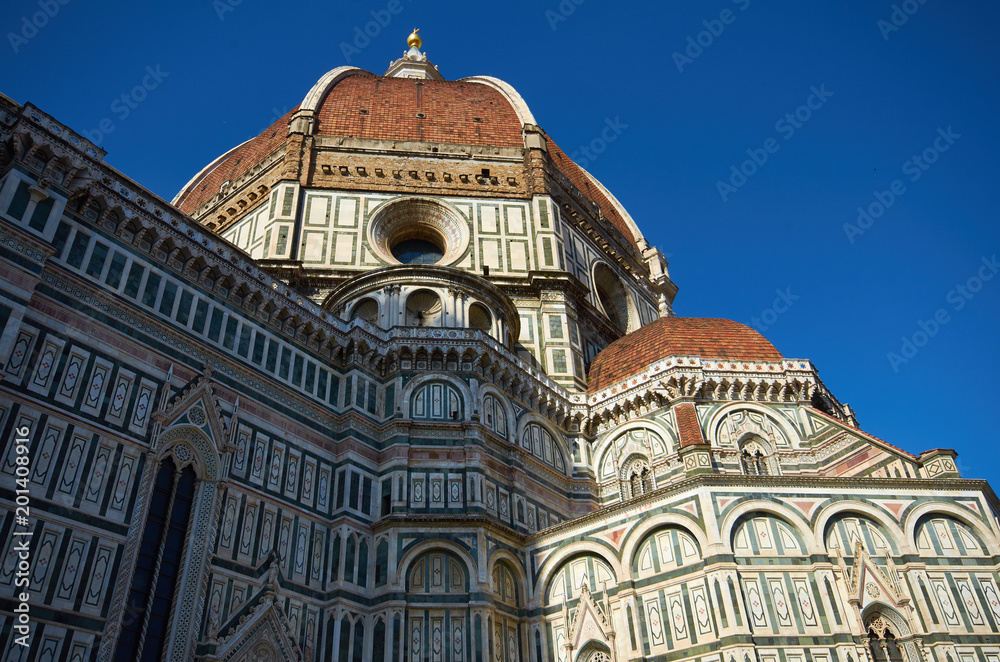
(586, 183)
(233, 165)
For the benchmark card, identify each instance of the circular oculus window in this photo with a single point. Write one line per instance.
(418, 231)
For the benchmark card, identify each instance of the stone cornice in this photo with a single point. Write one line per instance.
(429, 275)
(18, 241)
(757, 486)
(458, 520)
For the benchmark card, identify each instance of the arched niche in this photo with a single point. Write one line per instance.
(418, 385)
(941, 535)
(649, 440)
(914, 516)
(763, 534)
(366, 309)
(495, 411)
(665, 549)
(613, 299)
(835, 509)
(846, 529)
(544, 444)
(564, 584)
(733, 422)
(734, 515)
(757, 457)
(399, 572)
(437, 571)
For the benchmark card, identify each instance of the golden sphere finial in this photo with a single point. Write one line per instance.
(414, 40)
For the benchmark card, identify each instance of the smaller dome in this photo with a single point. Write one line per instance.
(706, 337)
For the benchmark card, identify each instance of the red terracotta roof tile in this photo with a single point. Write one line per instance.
(374, 107)
(455, 112)
(234, 165)
(709, 338)
(687, 424)
(580, 180)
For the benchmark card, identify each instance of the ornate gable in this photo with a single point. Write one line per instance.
(590, 624)
(867, 582)
(262, 635)
(196, 405)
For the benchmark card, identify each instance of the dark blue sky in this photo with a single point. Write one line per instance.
(688, 112)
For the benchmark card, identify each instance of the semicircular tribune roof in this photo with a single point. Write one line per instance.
(707, 337)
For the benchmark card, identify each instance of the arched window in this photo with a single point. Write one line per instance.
(363, 564)
(754, 458)
(160, 559)
(612, 296)
(882, 640)
(539, 442)
(637, 478)
(378, 641)
(349, 559)
(359, 642)
(494, 415)
(436, 401)
(381, 562)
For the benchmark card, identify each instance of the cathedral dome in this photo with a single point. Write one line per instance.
(371, 172)
(709, 338)
(472, 115)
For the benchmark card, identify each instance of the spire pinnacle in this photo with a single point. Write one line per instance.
(414, 40)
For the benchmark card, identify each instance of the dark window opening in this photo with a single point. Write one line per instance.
(158, 566)
(417, 251)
